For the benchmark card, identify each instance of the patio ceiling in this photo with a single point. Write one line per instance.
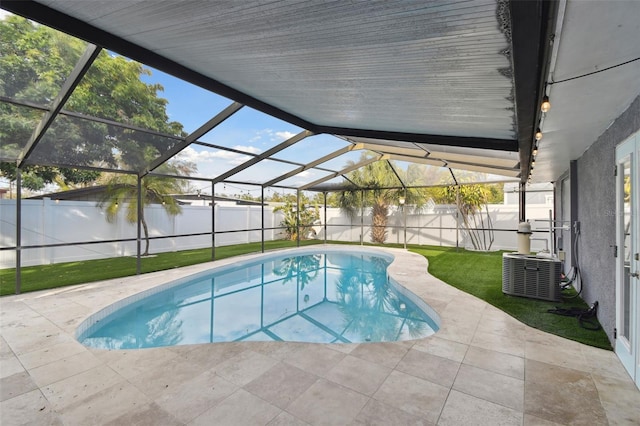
(594, 76)
(450, 83)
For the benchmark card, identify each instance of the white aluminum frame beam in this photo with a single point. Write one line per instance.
(268, 153)
(196, 134)
(315, 163)
(345, 171)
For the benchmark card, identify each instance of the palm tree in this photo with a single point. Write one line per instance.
(123, 190)
(382, 191)
(304, 268)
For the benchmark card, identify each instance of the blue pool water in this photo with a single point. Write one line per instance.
(329, 297)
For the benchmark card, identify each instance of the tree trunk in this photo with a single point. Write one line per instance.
(145, 228)
(379, 223)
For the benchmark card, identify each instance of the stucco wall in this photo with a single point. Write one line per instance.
(596, 214)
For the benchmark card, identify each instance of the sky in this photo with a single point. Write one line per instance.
(248, 131)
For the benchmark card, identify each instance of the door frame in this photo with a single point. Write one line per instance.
(628, 350)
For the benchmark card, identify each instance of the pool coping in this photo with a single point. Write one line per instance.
(50, 378)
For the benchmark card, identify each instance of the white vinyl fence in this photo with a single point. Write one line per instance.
(46, 222)
(437, 226)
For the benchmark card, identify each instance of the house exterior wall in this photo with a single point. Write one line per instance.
(596, 213)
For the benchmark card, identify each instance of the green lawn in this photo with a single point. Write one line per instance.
(62, 274)
(480, 274)
(476, 273)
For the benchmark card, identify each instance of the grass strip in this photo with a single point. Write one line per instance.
(476, 273)
(42, 277)
(480, 274)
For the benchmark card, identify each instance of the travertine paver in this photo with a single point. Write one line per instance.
(482, 367)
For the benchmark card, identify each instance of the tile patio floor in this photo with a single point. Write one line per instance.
(482, 368)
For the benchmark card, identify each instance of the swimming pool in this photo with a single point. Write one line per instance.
(326, 296)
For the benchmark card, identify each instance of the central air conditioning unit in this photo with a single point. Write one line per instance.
(531, 276)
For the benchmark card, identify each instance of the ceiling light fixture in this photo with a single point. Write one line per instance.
(538, 134)
(546, 105)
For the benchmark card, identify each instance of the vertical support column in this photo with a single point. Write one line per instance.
(18, 230)
(262, 214)
(298, 218)
(362, 217)
(213, 292)
(139, 233)
(555, 218)
(457, 217)
(213, 225)
(325, 217)
(404, 214)
(522, 205)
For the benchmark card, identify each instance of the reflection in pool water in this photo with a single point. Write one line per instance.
(327, 298)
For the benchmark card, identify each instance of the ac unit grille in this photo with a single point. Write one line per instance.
(531, 276)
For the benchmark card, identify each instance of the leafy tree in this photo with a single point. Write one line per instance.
(122, 190)
(35, 62)
(290, 221)
(331, 199)
(376, 177)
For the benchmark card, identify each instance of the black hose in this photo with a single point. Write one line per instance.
(587, 318)
(577, 277)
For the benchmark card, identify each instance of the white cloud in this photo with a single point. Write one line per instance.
(260, 134)
(251, 149)
(283, 136)
(271, 136)
(190, 154)
(202, 157)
